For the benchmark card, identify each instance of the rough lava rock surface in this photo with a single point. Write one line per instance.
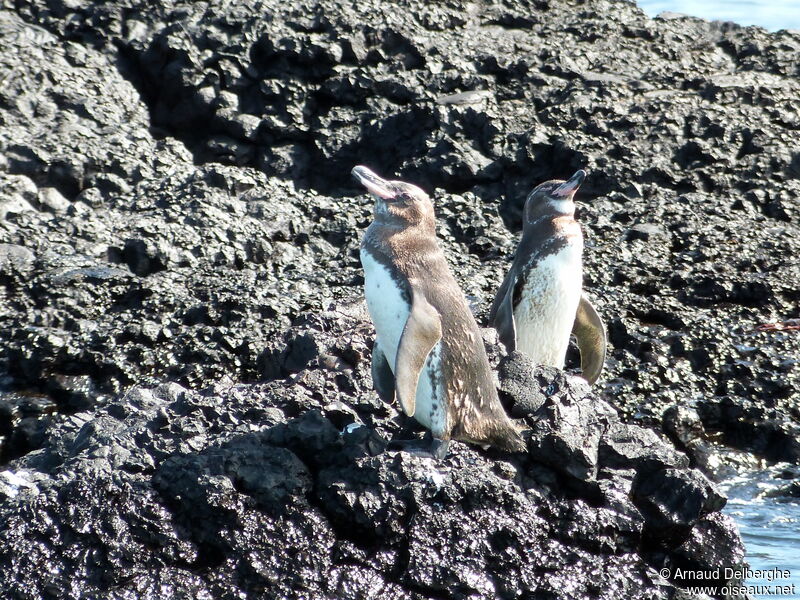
(186, 399)
(171, 492)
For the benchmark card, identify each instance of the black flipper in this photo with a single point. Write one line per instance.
(382, 376)
(501, 316)
(590, 334)
(427, 447)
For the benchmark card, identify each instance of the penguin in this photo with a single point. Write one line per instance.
(541, 300)
(428, 349)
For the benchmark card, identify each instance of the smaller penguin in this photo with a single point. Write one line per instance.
(428, 348)
(541, 300)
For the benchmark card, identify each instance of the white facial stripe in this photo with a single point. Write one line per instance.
(565, 206)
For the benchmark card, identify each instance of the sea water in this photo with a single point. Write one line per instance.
(770, 529)
(770, 14)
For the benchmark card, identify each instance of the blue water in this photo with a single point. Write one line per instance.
(770, 529)
(770, 14)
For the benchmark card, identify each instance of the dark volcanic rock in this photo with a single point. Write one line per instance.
(691, 224)
(177, 215)
(519, 389)
(172, 491)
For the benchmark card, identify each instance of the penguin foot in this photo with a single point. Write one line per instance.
(427, 447)
(409, 428)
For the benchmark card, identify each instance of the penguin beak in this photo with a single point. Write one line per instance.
(376, 186)
(569, 187)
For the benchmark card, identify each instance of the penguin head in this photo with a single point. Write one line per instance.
(553, 198)
(396, 201)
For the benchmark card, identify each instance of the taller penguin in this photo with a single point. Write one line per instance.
(541, 300)
(428, 349)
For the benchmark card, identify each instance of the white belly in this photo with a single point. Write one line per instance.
(546, 311)
(389, 312)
